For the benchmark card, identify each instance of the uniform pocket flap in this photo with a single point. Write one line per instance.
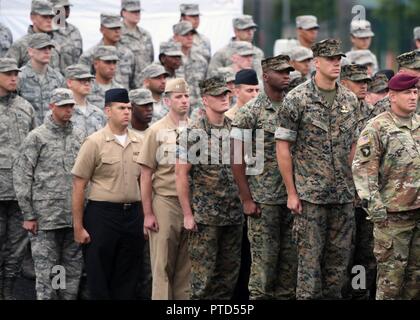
(110, 160)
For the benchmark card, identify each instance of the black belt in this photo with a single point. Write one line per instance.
(115, 205)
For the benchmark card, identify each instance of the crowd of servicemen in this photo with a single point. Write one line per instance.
(86, 184)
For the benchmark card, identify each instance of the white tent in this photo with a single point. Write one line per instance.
(158, 16)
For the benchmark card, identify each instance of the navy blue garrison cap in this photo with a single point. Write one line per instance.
(116, 95)
(246, 76)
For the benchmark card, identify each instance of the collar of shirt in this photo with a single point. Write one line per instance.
(109, 136)
(316, 95)
(415, 121)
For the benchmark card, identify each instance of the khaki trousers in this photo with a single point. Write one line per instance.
(169, 252)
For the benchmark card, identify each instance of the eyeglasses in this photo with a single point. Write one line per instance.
(85, 81)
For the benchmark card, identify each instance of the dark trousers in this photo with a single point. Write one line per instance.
(241, 290)
(113, 257)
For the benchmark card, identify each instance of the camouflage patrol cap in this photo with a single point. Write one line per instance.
(244, 22)
(306, 22)
(300, 53)
(243, 48)
(110, 20)
(153, 70)
(327, 48)
(409, 60)
(277, 63)
(416, 33)
(177, 85)
(78, 71)
(214, 86)
(361, 29)
(8, 64)
(182, 28)
(106, 53)
(170, 48)
(360, 56)
(189, 9)
(61, 3)
(379, 83)
(42, 7)
(227, 73)
(141, 97)
(61, 97)
(40, 40)
(355, 72)
(130, 5)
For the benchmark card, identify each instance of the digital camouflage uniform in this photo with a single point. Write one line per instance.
(71, 45)
(37, 89)
(274, 261)
(6, 39)
(97, 94)
(386, 171)
(411, 60)
(215, 249)
(43, 184)
(17, 118)
(322, 137)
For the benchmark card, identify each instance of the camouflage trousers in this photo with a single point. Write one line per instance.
(273, 252)
(362, 255)
(397, 251)
(215, 254)
(13, 239)
(323, 234)
(51, 248)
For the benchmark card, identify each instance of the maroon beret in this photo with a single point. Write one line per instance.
(402, 81)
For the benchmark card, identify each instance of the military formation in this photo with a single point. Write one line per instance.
(206, 175)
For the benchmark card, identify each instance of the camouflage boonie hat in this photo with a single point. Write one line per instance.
(110, 20)
(354, 72)
(360, 57)
(189, 9)
(130, 5)
(8, 64)
(300, 54)
(244, 22)
(277, 63)
(214, 86)
(327, 48)
(306, 22)
(42, 7)
(61, 3)
(106, 53)
(361, 29)
(171, 48)
(227, 73)
(243, 48)
(409, 60)
(61, 97)
(40, 40)
(153, 70)
(177, 85)
(416, 33)
(78, 71)
(182, 28)
(141, 97)
(379, 83)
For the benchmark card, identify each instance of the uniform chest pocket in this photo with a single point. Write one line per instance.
(405, 142)
(111, 166)
(348, 124)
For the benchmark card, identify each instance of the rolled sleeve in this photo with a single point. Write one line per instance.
(285, 134)
(84, 165)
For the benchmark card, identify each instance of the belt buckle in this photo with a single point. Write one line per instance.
(126, 206)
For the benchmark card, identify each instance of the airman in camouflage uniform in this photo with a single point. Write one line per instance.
(155, 77)
(320, 124)
(17, 118)
(128, 65)
(170, 57)
(377, 88)
(6, 39)
(355, 78)
(136, 38)
(42, 14)
(68, 36)
(263, 195)
(244, 28)
(105, 62)
(38, 79)
(194, 65)
(42, 181)
(386, 171)
(191, 12)
(363, 57)
(361, 38)
(301, 59)
(213, 216)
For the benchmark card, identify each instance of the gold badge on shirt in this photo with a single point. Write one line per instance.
(344, 109)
